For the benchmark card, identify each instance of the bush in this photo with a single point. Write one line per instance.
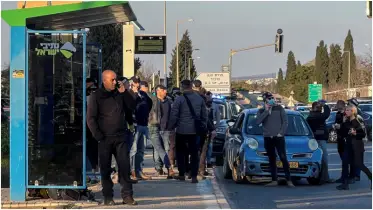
(5, 139)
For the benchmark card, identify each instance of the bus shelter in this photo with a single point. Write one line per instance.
(50, 60)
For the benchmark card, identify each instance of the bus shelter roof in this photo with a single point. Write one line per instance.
(71, 16)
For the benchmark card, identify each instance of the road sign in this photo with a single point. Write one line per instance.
(150, 44)
(217, 83)
(224, 68)
(314, 92)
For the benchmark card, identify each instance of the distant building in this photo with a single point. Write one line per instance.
(263, 81)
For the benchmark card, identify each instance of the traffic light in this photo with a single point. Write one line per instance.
(279, 43)
(369, 9)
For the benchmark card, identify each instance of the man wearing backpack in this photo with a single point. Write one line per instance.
(189, 117)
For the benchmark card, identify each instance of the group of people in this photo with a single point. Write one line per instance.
(350, 131)
(124, 112)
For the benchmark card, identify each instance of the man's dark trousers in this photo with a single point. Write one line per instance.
(117, 146)
(187, 144)
(272, 145)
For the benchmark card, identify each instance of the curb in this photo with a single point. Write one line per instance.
(220, 198)
(46, 204)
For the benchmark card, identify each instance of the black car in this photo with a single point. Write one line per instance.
(228, 110)
(333, 134)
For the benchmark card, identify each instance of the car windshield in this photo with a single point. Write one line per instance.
(222, 109)
(366, 107)
(297, 126)
(331, 117)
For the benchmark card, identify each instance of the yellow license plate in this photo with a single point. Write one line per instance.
(291, 164)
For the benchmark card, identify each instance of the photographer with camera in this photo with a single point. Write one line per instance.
(109, 110)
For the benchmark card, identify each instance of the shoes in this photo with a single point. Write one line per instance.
(180, 178)
(340, 180)
(194, 180)
(109, 202)
(272, 183)
(200, 177)
(330, 181)
(351, 181)
(169, 176)
(290, 184)
(131, 181)
(343, 187)
(171, 172)
(133, 175)
(142, 176)
(129, 201)
(206, 173)
(160, 172)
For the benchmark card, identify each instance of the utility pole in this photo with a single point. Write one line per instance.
(165, 55)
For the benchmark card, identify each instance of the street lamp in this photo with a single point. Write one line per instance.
(185, 57)
(177, 49)
(189, 66)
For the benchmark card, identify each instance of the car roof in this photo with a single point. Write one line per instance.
(255, 110)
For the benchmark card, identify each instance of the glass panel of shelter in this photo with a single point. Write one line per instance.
(55, 110)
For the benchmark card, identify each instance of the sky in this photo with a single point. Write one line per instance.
(221, 26)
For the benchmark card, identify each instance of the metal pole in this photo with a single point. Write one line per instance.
(153, 79)
(165, 56)
(177, 55)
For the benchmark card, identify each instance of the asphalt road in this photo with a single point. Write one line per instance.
(244, 196)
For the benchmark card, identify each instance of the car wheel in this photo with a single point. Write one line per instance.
(332, 136)
(314, 181)
(236, 175)
(227, 172)
(219, 160)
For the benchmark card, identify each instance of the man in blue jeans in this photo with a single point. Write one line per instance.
(159, 135)
(143, 106)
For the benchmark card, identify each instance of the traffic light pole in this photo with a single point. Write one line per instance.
(244, 49)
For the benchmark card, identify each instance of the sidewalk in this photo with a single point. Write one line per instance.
(158, 193)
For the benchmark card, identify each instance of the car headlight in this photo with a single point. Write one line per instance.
(313, 145)
(220, 130)
(252, 143)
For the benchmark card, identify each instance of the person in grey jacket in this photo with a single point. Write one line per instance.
(159, 133)
(186, 135)
(274, 123)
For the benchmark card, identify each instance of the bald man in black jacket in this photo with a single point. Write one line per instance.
(109, 110)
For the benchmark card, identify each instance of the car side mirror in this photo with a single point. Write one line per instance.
(234, 131)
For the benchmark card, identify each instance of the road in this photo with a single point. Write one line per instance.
(251, 195)
(251, 97)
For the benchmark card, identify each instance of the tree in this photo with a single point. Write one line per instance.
(304, 77)
(348, 47)
(111, 39)
(185, 52)
(335, 65)
(290, 68)
(280, 80)
(5, 85)
(321, 64)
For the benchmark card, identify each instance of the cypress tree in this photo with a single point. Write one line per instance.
(185, 52)
(335, 64)
(348, 46)
(280, 80)
(290, 68)
(322, 63)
